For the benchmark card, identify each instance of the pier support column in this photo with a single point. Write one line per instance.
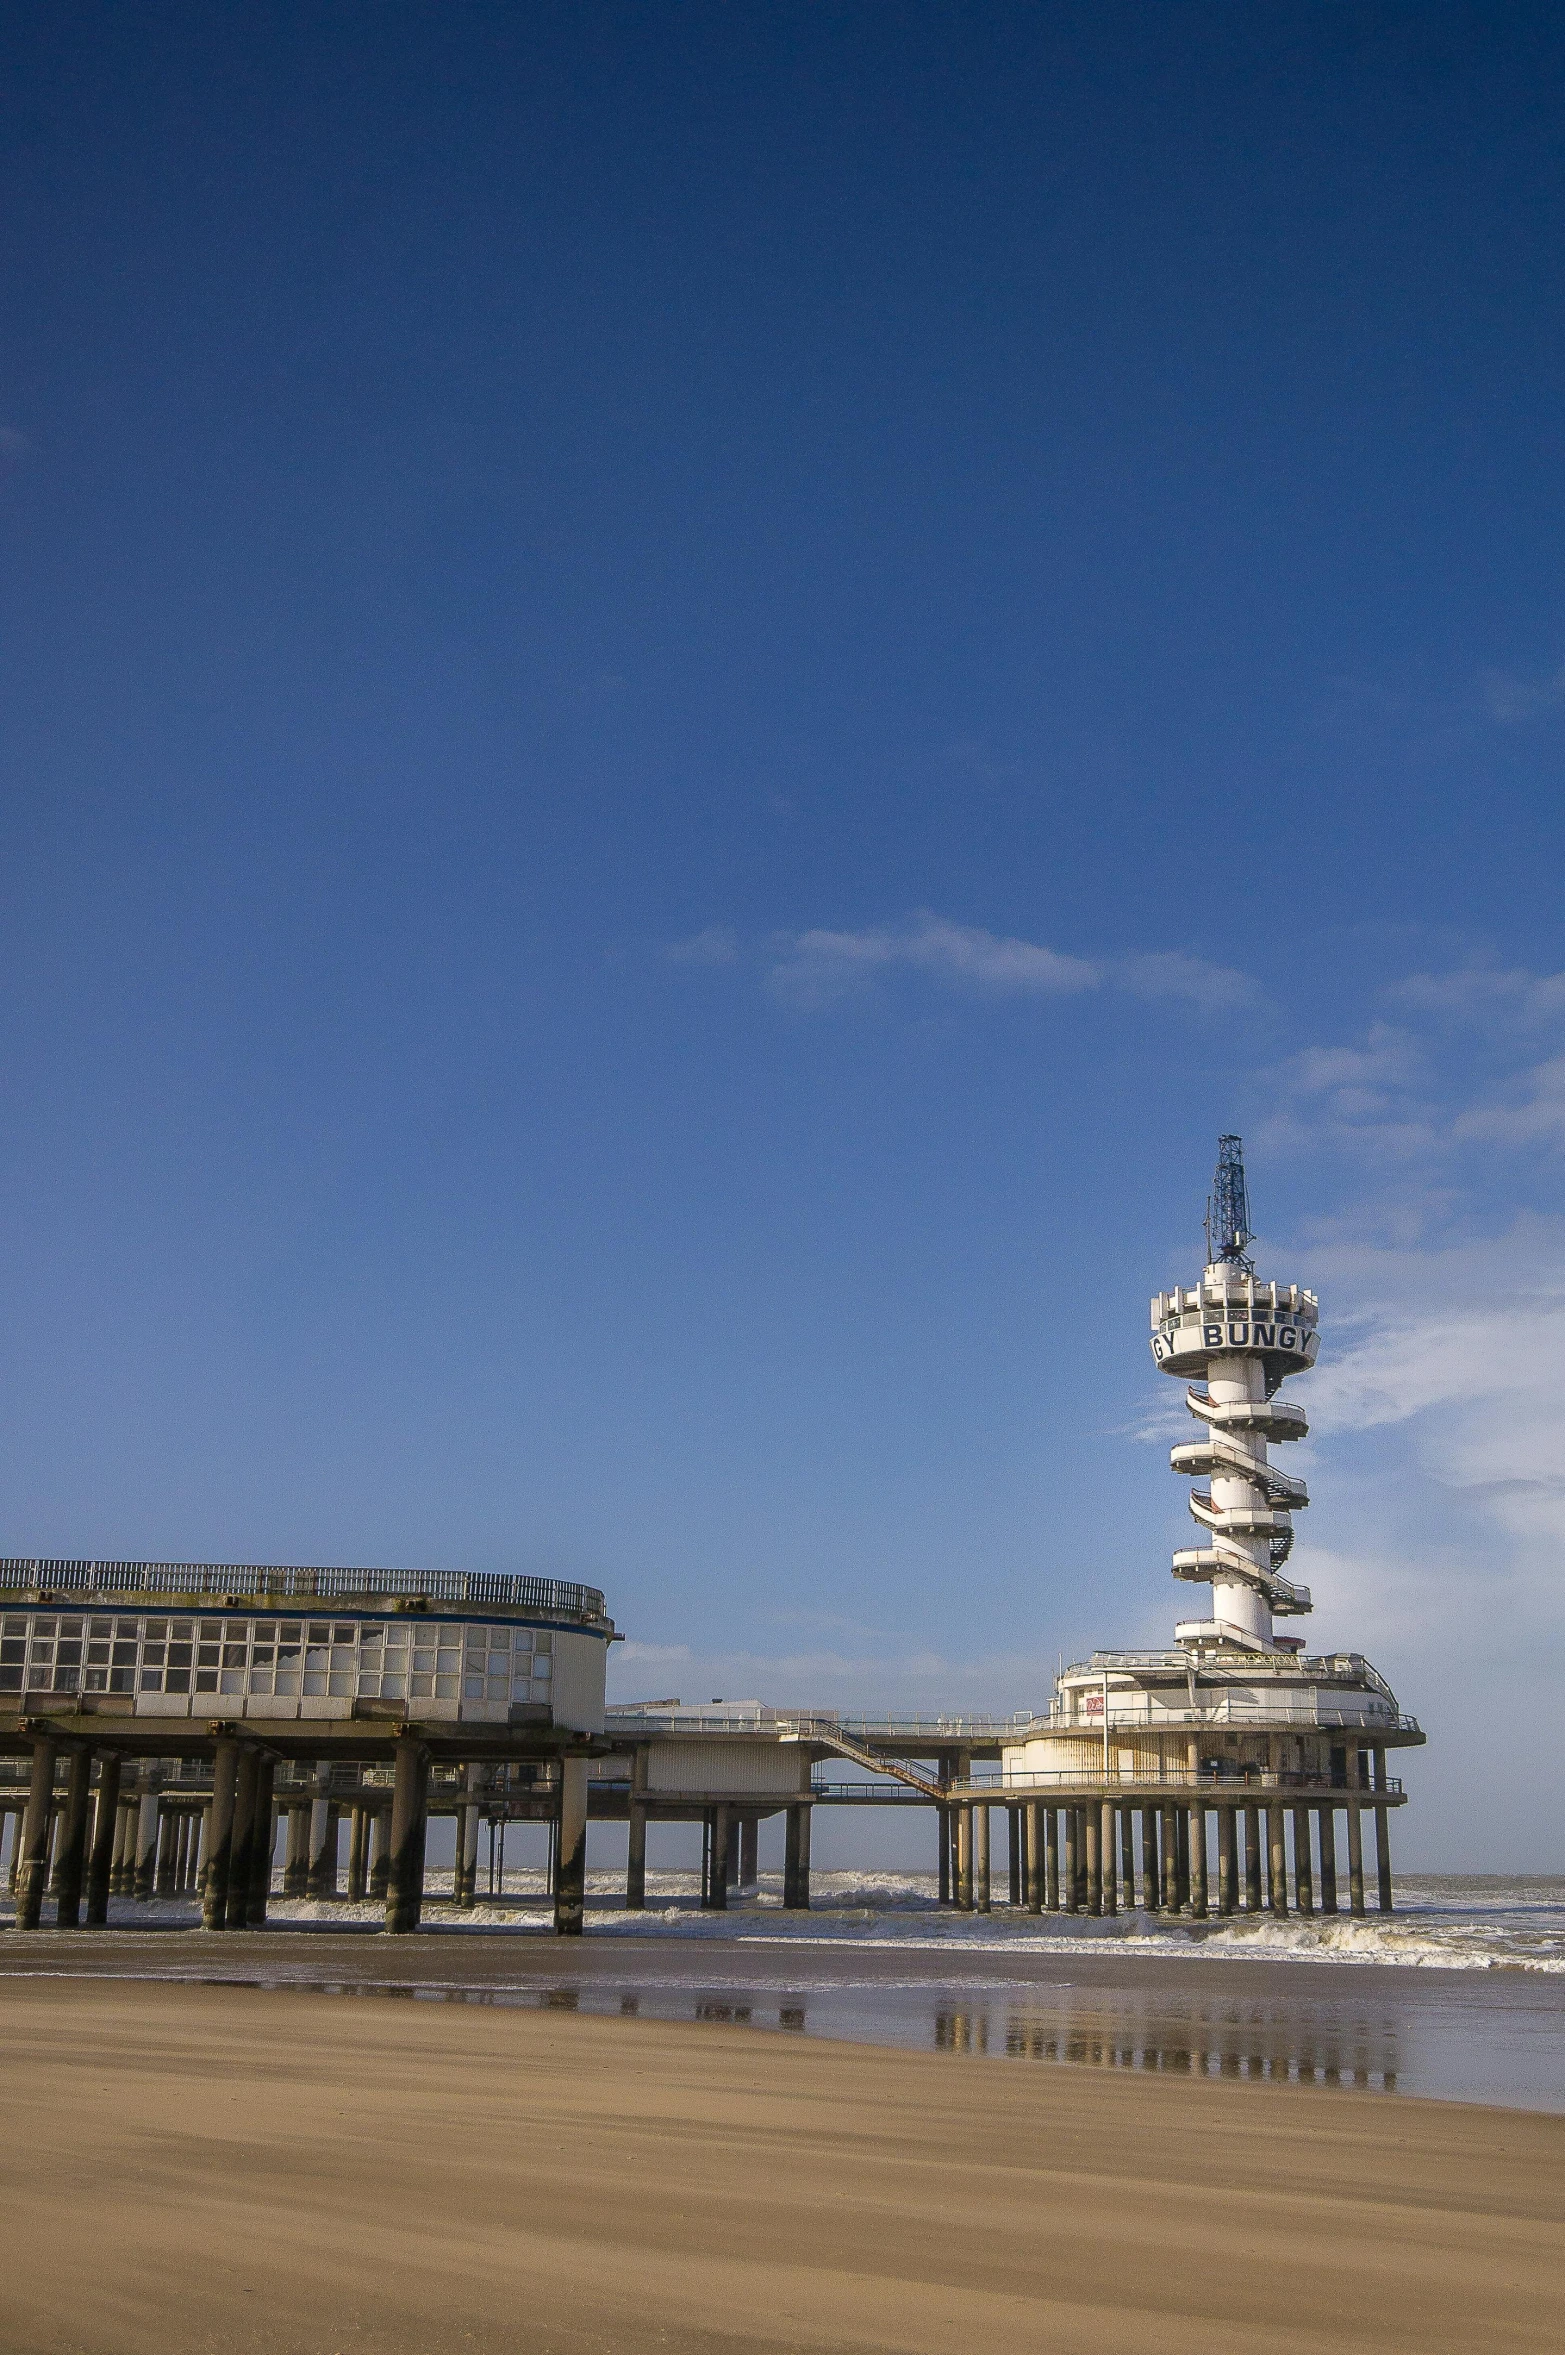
(964, 1857)
(33, 1871)
(1033, 1893)
(943, 1854)
(104, 1823)
(1016, 1833)
(749, 1852)
(296, 1853)
(1071, 1879)
(1252, 1860)
(380, 1855)
(322, 1882)
(1170, 1859)
(124, 1817)
(1182, 1855)
(731, 1848)
(220, 1847)
(981, 1881)
(1278, 1840)
(409, 1812)
(1127, 1858)
(796, 1860)
(1383, 1857)
(464, 1877)
(263, 1844)
(241, 1863)
(1151, 1890)
(1328, 1859)
(168, 1835)
(1198, 1904)
(1051, 1859)
(570, 1877)
(358, 1854)
(636, 1851)
(70, 1869)
(147, 1836)
(1107, 1846)
(1355, 1857)
(714, 1860)
(1227, 1861)
(1303, 1879)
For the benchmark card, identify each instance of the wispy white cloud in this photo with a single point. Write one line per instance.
(1532, 1112)
(717, 944)
(1512, 700)
(816, 968)
(1484, 994)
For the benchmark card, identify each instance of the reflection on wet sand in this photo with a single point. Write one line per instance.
(1261, 2046)
(1231, 2048)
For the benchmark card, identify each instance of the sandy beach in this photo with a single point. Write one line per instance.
(207, 2168)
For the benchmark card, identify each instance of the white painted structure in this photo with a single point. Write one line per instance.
(1243, 1338)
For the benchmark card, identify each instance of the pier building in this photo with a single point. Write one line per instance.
(163, 1708)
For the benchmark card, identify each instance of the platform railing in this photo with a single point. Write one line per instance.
(262, 1583)
(1055, 1778)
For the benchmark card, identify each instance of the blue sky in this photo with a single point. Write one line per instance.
(690, 694)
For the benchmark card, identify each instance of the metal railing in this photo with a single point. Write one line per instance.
(796, 1725)
(875, 1792)
(1288, 1710)
(1258, 1778)
(257, 1582)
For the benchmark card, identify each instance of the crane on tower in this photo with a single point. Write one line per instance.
(1228, 1232)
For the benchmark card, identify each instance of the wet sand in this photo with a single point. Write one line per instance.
(1477, 2035)
(219, 2169)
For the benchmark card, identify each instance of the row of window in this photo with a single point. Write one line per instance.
(364, 1660)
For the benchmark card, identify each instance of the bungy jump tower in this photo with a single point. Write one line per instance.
(1237, 1740)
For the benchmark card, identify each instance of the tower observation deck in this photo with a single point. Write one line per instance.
(1234, 1338)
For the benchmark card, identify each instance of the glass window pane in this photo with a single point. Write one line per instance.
(445, 1688)
(206, 1680)
(177, 1680)
(340, 1682)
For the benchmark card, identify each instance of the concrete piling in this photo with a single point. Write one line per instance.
(220, 1849)
(570, 1880)
(105, 1824)
(33, 1869)
(71, 1868)
(410, 1800)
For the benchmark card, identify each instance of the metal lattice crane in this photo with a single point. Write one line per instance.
(1228, 1231)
